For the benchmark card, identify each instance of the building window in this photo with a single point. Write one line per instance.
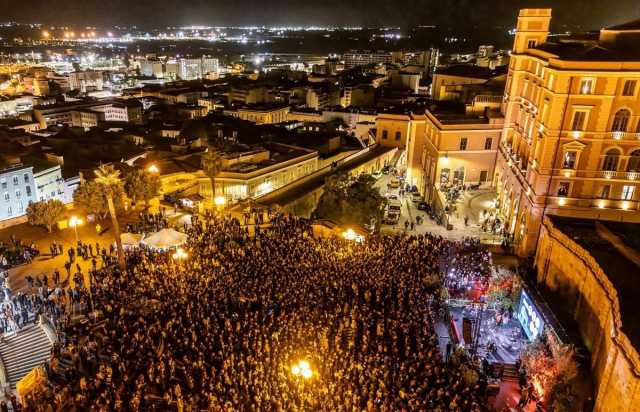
(385, 134)
(398, 135)
(563, 189)
(569, 161)
(20, 208)
(15, 180)
(531, 44)
(621, 120)
(18, 194)
(4, 183)
(6, 196)
(634, 161)
(629, 88)
(484, 174)
(611, 160)
(579, 118)
(9, 211)
(463, 143)
(26, 178)
(586, 86)
(604, 191)
(488, 142)
(627, 192)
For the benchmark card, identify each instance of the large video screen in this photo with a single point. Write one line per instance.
(529, 317)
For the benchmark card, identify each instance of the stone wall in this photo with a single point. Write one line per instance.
(569, 271)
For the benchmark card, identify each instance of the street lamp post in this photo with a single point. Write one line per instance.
(74, 222)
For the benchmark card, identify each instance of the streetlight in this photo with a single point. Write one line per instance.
(351, 235)
(180, 254)
(303, 369)
(74, 222)
(220, 201)
(153, 169)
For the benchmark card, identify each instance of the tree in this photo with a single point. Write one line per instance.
(46, 213)
(91, 198)
(212, 165)
(350, 201)
(141, 185)
(109, 179)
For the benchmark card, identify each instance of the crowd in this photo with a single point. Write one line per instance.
(15, 252)
(221, 329)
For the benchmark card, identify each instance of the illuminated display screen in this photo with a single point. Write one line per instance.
(529, 317)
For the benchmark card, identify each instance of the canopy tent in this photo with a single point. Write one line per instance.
(130, 240)
(165, 239)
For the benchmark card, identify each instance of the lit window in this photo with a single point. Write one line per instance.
(586, 86)
(627, 192)
(563, 189)
(569, 161)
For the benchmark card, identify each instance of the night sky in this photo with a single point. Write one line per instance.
(154, 13)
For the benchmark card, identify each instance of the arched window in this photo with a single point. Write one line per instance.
(634, 161)
(611, 160)
(621, 121)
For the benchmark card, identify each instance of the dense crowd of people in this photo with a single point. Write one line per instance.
(222, 329)
(15, 252)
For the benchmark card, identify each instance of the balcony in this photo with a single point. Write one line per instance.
(611, 174)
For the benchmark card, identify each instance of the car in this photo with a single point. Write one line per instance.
(415, 197)
(392, 196)
(423, 206)
(391, 218)
(394, 183)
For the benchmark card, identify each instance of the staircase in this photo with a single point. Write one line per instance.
(20, 353)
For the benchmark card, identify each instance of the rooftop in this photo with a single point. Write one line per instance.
(473, 71)
(619, 268)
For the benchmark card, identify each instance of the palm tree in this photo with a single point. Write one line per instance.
(109, 178)
(212, 165)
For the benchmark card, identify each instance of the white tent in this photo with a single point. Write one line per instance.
(165, 239)
(130, 240)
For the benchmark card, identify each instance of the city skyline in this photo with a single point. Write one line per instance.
(589, 14)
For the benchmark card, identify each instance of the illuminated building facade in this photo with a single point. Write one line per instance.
(571, 141)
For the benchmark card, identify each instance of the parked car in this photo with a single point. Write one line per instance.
(415, 197)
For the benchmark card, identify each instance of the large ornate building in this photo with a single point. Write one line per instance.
(571, 141)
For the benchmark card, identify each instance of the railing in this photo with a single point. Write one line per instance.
(576, 134)
(595, 174)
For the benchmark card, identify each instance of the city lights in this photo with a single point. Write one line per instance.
(302, 369)
(180, 254)
(153, 169)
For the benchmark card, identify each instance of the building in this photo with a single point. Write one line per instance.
(88, 114)
(354, 58)
(251, 172)
(86, 81)
(50, 184)
(398, 127)
(151, 68)
(319, 97)
(457, 147)
(590, 269)
(260, 113)
(450, 83)
(17, 190)
(191, 69)
(571, 141)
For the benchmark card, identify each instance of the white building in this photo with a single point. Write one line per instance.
(190, 69)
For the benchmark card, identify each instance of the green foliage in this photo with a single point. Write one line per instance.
(140, 185)
(350, 201)
(45, 213)
(91, 198)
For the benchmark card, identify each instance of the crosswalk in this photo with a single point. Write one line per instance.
(29, 348)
